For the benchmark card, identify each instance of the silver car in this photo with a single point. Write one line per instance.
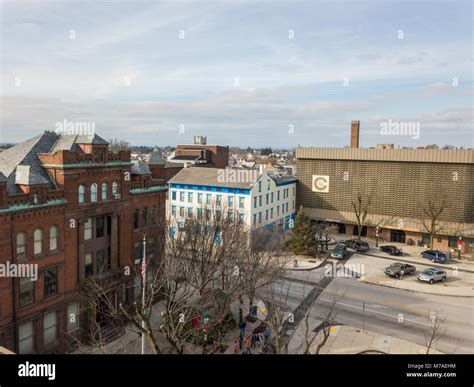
(432, 275)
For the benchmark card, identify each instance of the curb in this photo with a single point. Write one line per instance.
(414, 291)
(401, 259)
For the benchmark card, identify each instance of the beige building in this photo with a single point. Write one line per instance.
(401, 184)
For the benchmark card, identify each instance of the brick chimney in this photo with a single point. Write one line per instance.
(355, 134)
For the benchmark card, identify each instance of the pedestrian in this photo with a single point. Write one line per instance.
(247, 345)
(241, 342)
(253, 341)
(236, 346)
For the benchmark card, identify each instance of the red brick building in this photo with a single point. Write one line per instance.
(75, 212)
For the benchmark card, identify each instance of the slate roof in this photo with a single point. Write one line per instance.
(24, 154)
(139, 168)
(155, 158)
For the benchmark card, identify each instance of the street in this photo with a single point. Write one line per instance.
(377, 308)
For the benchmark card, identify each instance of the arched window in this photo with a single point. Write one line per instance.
(105, 189)
(20, 245)
(93, 192)
(53, 238)
(82, 194)
(114, 188)
(38, 241)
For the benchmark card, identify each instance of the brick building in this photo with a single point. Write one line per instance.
(75, 212)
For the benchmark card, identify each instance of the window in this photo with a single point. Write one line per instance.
(266, 215)
(35, 198)
(200, 198)
(260, 200)
(278, 195)
(181, 196)
(20, 245)
(271, 213)
(190, 197)
(230, 201)
(260, 186)
(114, 188)
(105, 189)
(241, 217)
(173, 210)
(26, 338)
(145, 216)
(218, 200)
(254, 219)
(255, 202)
(259, 217)
(82, 194)
(27, 291)
(93, 192)
(266, 199)
(136, 217)
(272, 196)
(138, 250)
(72, 316)
(199, 213)
(181, 211)
(99, 226)
(50, 322)
(268, 184)
(453, 242)
(208, 198)
(88, 229)
(38, 241)
(190, 211)
(278, 210)
(88, 265)
(100, 260)
(173, 195)
(241, 202)
(154, 216)
(53, 238)
(50, 282)
(231, 215)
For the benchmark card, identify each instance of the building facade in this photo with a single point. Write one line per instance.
(258, 199)
(73, 212)
(401, 184)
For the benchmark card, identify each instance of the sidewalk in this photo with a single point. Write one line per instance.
(349, 340)
(303, 262)
(458, 284)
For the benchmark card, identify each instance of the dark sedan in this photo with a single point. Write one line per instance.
(435, 256)
(392, 250)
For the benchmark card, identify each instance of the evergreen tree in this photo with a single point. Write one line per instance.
(303, 235)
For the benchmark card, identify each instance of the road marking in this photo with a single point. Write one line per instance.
(373, 311)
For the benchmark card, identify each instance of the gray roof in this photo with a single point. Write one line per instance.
(217, 177)
(3, 177)
(139, 168)
(25, 175)
(155, 158)
(25, 154)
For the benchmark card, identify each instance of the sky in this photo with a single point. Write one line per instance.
(243, 73)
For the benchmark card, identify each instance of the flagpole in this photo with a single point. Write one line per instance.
(143, 292)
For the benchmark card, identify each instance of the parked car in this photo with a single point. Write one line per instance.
(398, 269)
(432, 275)
(435, 256)
(357, 246)
(339, 252)
(392, 250)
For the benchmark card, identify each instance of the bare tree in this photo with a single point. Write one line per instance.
(430, 220)
(361, 207)
(436, 330)
(116, 145)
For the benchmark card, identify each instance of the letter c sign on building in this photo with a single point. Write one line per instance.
(320, 183)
